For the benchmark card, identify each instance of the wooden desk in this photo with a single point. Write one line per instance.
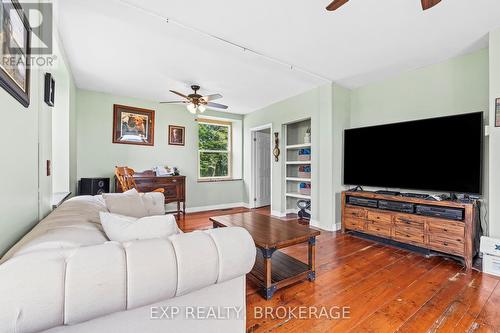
(175, 187)
(270, 235)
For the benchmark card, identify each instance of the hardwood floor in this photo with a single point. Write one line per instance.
(384, 289)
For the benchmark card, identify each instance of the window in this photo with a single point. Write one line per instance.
(214, 149)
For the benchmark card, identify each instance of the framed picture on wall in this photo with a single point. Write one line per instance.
(15, 51)
(497, 112)
(133, 126)
(176, 135)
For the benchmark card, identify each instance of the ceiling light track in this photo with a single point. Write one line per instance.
(220, 39)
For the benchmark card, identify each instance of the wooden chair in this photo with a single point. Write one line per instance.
(125, 176)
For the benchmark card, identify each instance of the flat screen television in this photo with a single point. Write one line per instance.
(440, 154)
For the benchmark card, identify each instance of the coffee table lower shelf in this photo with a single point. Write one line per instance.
(285, 270)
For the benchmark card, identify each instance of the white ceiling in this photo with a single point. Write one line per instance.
(118, 48)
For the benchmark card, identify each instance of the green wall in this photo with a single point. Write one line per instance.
(26, 192)
(459, 85)
(316, 104)
(97, 155)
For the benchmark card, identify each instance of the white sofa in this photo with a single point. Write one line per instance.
(65, 276)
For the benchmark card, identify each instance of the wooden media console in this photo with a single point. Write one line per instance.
(453, 237)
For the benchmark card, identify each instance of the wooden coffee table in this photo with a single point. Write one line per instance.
(273, 269)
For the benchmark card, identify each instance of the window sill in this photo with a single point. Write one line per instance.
(219, 180)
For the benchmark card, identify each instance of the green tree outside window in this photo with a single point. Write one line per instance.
(214, 150)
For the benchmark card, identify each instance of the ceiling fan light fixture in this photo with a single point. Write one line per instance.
(202, 108)
(191, 108)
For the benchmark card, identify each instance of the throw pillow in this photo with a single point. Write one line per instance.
(128, 203)
(124, 228)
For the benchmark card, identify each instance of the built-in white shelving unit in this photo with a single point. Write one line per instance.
(296, 141)
(298, 196)
(298, 162)
(299, 146)
(297, 179)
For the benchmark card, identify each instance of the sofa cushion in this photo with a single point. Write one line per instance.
(154, 202)
(124, 228)
(128, 203)
(75, 223)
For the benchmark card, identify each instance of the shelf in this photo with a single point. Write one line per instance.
(296, 179)
(298, 196)
(299, 146)
(298, 162)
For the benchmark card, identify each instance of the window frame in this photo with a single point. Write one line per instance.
(229, 152)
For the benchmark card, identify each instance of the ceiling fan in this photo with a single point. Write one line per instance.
(336, 4)
(196, 102)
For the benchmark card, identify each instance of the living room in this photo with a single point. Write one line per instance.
(250, 167)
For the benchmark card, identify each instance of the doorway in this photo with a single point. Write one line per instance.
(261, 166)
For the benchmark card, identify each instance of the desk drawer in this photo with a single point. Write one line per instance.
(170, 191)
(355, 224)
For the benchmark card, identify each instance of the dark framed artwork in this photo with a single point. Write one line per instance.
(50, 89)
(176, 135)
(497, 112)
(133, 126)
(15, 51)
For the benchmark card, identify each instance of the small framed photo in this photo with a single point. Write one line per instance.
(497, 112)
(133, 126)
(176, 135)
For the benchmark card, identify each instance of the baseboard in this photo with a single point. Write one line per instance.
(216, 207)
(277, 213)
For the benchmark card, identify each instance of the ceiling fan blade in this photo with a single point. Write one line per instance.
(336, 4)
(218, 106)
(427, 4)
(178, 93)
(175, 102)
(212, 97)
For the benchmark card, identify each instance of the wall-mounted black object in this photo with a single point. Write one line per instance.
(50, 89)
(93, 186)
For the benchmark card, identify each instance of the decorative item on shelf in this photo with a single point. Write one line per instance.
(15, 51)
(497, 112)
(305, 171)
(304, 155)
(50, 89)
(307, 136)
(176, 135)
(305, 209)
(305, 188)
(276, 150)
(133, 126)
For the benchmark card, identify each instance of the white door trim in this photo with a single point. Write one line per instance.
(251, 200)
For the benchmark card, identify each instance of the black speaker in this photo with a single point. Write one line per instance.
(93, 186)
